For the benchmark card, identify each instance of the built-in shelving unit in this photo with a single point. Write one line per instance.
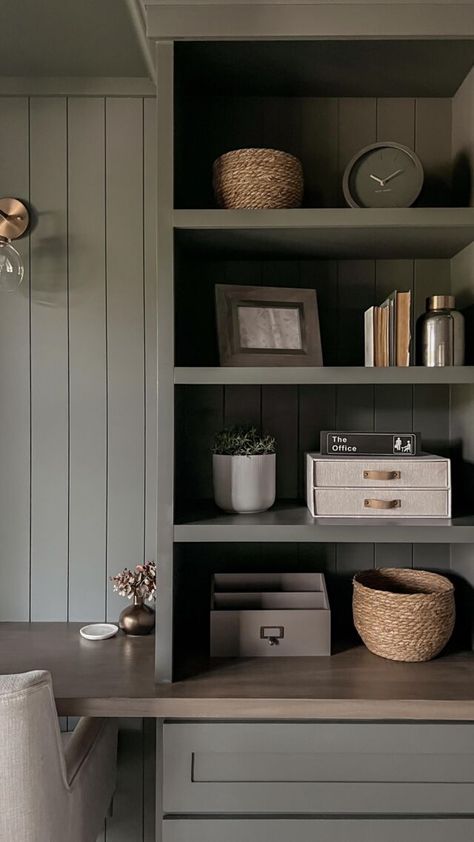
(307, 99)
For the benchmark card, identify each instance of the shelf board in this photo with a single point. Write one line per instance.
(330, 375)
(351, 683)
(115, 678)
(326, 232)
(292, 522)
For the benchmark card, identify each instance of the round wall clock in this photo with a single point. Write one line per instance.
(383, 175)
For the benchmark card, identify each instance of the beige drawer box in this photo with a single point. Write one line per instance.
(318, 768)
(269, 615)
(413, 472)
(419, 486)
(380, 502)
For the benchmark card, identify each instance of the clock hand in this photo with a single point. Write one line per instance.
(379, 180)
(392, 175)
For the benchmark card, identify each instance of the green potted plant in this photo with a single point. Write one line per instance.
(140, 585)
(244, 470)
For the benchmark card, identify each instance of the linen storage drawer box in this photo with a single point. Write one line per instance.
(269, 615)
(378, 487)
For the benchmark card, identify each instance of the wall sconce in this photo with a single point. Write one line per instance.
(14, 221)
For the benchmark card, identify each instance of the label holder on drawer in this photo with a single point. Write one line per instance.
(272, 633)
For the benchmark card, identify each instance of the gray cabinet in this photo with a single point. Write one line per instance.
(318, 768)
(318, 830)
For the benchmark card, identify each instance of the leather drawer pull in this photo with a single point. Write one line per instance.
(382, 504)
(382, 474)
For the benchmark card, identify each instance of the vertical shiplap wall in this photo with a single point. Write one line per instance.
(78, 379)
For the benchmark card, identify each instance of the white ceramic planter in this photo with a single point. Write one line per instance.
(244, 484)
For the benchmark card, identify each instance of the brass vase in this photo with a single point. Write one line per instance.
(137, 619)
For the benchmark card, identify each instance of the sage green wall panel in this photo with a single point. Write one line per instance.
(87, 353)
(319, 127)
(282, 124)
(432, 557)
(356, 292)
(280, 418)
(433, 145)
(431, 277)
(243, 405)
(396, 120)
(357, 127)
(76, 238)
(49, 361)
(125, 337)
(15, 383)
(393, 274)
(393, 555)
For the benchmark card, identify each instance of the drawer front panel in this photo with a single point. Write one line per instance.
(249, 633)
(318, 830)
(390, 473)
(318, 768)
(381, 502)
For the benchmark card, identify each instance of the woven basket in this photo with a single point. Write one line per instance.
(258, 178)
(403, 615)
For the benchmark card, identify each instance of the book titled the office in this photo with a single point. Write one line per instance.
(336, 443)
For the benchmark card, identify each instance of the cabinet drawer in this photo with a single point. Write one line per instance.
(318, 768)
(410, 472)
(380, 502)
(318, 830)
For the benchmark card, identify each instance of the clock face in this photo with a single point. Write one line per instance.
(383, 175)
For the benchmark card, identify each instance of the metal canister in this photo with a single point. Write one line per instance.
(440, 333)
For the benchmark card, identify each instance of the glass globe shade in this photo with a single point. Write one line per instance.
(11, 267)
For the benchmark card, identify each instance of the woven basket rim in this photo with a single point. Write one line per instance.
(447, 585)
(257, 149)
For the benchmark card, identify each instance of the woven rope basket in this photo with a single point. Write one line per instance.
(403, 615)
(258, 178)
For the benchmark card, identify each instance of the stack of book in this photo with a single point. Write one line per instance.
(387, 331)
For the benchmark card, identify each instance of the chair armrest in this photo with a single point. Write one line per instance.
(88, 734)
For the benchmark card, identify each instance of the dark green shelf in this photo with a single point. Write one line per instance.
(337, 375)
(326, 232)
(292, 522)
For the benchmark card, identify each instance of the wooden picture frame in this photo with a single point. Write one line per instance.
(267, 326)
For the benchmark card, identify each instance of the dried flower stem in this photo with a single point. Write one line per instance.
(140, 582)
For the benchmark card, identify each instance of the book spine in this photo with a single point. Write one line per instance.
(392, 330)
(369, 334)
(403, 328)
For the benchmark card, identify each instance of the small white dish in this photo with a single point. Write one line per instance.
(99, 631)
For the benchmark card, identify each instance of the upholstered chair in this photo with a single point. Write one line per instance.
(53, 787)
